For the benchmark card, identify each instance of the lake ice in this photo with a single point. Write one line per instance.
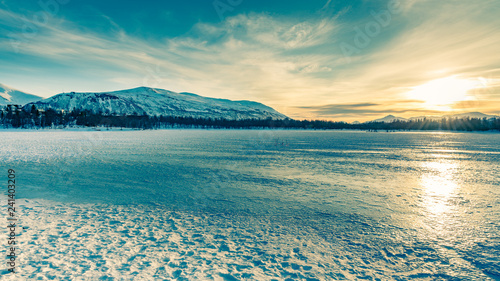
(255, 204)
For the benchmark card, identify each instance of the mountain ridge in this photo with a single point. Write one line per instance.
(10, 95)
(392, 118)
(156, 102)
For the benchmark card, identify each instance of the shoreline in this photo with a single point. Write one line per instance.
(115, 129)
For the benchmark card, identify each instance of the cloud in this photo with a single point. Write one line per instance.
(449, 39)
(292, 64)
(329, 107)
(330, 110)
(245, 56)
(364, 110)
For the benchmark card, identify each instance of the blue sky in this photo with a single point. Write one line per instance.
(337, 60)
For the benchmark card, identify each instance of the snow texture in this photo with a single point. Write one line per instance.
(156, 102)
(254, 205)
(13, 96)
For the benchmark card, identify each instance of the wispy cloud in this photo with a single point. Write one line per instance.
(356, 110)
(292, 64)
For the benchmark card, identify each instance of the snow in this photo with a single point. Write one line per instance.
(13, 96)
(6, 96)
(155, 102)
(93, 241)
(471, 115)
(254, 205)
(389, 119)
(392, 118)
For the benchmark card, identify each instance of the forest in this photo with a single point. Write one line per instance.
(29, 117)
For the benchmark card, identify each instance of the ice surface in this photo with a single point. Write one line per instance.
(246, 205)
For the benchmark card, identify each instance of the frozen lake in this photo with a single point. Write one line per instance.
(245, 205)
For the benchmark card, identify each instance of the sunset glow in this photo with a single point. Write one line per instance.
(441, 94)
(319, 59)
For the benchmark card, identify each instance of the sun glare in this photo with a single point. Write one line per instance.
(442, 93)
(439, 182)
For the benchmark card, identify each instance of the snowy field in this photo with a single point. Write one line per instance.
(253, 205)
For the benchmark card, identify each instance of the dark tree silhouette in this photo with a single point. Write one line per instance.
(32, 117)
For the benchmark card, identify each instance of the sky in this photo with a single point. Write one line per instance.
(329, 59)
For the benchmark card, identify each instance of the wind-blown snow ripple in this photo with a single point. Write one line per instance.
(246, 205)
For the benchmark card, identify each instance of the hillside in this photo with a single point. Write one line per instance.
(12, 96)
(156, 102)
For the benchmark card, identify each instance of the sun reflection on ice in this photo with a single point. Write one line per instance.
(439, 183)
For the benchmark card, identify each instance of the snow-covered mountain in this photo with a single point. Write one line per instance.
(391, 118)
(471, 115)
(13, 96)
(155, 102)
(460, 115)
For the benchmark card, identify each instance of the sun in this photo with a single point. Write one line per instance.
(442, 93)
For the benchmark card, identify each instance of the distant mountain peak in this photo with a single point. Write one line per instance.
(392, 118)
(144, 88)
(10, 95)
(389, 119)
(471, 115)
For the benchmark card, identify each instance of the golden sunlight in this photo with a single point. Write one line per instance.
(439, 183)
(442, 93)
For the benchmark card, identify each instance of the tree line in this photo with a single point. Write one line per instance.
(30, 117)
